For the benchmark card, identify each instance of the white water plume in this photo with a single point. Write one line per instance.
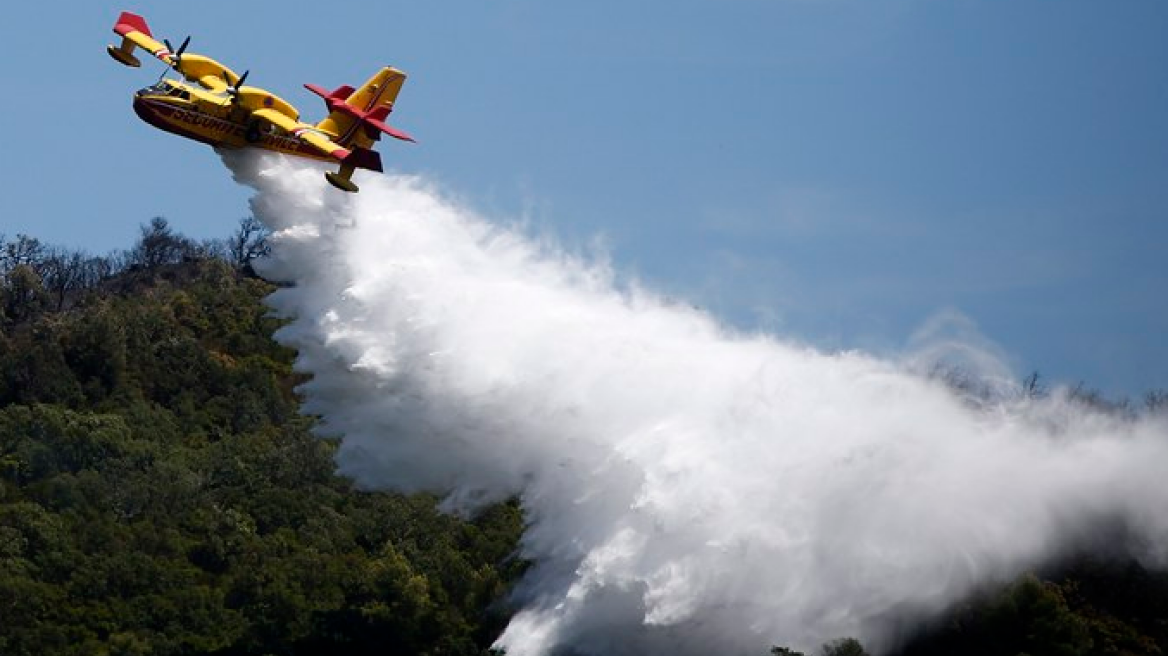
(689, 489)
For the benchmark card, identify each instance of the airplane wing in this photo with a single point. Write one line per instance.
(253, 98)
(304, 132)
(205, 71)
(133, 28)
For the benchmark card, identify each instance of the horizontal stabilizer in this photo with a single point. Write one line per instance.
(377, 117)
(390, 130)
(340, 93)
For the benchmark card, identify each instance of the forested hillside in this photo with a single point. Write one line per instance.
(161, 494)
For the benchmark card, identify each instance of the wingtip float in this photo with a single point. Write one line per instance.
(212, 105)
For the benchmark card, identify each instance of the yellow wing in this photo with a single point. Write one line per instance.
(254, 98)
(304, 132)
(134, 31)
(210, 74)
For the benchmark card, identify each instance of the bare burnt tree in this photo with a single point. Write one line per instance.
(249, 242)
(160, 245)
(1156, 402)
(64, 272)
(1095, 400)
(98, 269)
(23, 251)
(1033, 387)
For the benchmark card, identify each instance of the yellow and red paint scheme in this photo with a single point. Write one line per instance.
(211, 106)
(195, 114)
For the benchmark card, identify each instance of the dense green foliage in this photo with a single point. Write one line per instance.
(1094, 606)
(159, 493)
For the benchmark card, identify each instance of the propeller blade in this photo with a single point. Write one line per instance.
(233, 89)
(181, 49)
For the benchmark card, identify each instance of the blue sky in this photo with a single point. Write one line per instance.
(837, 171)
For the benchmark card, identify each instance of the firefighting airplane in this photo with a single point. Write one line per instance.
(219, 110)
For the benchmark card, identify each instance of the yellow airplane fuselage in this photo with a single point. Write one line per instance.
(214, 119)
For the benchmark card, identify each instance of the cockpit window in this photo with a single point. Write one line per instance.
(164, 89)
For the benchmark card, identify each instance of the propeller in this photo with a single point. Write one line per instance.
(176, 55)
(233, 90)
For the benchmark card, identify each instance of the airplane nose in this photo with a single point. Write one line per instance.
(143, 109)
